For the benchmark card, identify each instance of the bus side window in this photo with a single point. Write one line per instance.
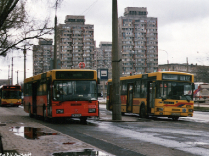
(143, 89)
(124, 88)
(137, 89)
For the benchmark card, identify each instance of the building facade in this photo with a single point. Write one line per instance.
(4, 82)
(75, 43)
(43, 53)
(103, 60)
(103, 57)
(138, 41)
(201, 73)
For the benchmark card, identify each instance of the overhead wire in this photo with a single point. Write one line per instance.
(89, 7)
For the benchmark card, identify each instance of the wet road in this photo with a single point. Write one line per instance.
(151, 137)
(154, 136)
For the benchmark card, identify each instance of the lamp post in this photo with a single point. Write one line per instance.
(24, 52)
(13, 65)
(167, 58)
(17, 76)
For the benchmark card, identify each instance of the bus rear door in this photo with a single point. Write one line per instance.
(150, 97)
(34, 96)
(129, 105)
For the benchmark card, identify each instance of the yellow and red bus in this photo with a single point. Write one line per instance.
(162, 94)
(10, 95)
(59, 94)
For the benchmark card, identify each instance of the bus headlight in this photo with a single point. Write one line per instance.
(60, 111)
(92, 110)
(190, 110)
(184, 110)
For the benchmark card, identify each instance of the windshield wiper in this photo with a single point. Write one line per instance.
(187, 97)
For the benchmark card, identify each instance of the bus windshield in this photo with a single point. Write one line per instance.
(174, 90)
(11, 94)
(74, 90)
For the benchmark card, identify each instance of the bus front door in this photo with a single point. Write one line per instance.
(129, 105)
(150, 97)
(34, 96)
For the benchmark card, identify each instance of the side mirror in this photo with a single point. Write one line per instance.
(193, 86)
(98, 80)
(163, 99)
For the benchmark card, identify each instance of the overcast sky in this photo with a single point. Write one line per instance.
(183, 27)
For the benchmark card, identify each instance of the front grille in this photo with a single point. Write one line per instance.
(175, 109)
(75, 104)
(167, 102)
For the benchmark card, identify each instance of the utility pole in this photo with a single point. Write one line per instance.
(55, 37)
(116, 113)
(187, 64)
(17, 76)
(12, 72)
(24, 52)
(8, 73)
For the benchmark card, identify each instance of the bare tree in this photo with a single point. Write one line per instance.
(16, 27)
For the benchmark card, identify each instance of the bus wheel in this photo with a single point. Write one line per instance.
(175, 118)
(142, 112)
(45, 117)
(83, 120)
(30, 112)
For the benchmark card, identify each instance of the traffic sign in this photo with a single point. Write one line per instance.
(81, 65)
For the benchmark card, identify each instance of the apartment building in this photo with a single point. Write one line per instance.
(138, 41)
(103, 56)
(75, 43)
(43, 53)
(103, 60)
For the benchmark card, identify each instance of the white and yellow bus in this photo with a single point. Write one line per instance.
(163, 94)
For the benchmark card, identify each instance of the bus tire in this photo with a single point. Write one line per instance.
(83, 120)
(44, 115)
(142, 111)
(30, 112)
(175, 118)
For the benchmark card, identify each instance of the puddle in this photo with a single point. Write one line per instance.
(2, 124)
(68, 143)
(30, 132)
(197, 143)
(85, 152)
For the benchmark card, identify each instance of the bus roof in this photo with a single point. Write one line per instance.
(158, 75)
(48, 73)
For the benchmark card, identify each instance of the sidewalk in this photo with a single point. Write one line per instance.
(21, 136)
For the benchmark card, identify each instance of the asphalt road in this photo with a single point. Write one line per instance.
(154, 136)
(150, 137)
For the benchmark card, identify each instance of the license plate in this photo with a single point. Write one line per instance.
(76, 115)
(175, 114)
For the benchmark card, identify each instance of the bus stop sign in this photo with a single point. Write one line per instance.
(102, 74)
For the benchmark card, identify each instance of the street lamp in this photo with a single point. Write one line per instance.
(17, 76)
(20, 71)
(167, 57)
